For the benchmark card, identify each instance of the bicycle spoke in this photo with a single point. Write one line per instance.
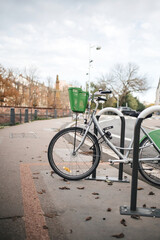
(70, 163)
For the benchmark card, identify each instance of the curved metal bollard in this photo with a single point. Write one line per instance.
(122, 139)
(133, 210)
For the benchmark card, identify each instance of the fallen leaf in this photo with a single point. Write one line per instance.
(43, 191)
(94, 193)
(140, 188)
(65, 180)
(96, 197)
(45, 227)
(121, 235)
(80, 188)
(136, 217)
(110, 183)
(52, 172)
(67, 169)
(109, 209)
(151, 193)
(39, 192)
(88, 218)
(123, 222)
(64, 188)
(35, 173)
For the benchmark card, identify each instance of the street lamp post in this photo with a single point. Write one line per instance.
(89, 67)
(117, 101)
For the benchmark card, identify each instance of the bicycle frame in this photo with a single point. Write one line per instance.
(123, 158)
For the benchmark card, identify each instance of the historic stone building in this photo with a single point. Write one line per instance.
(30, 93)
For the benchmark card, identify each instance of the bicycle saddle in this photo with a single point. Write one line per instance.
(105, 91)
(102, 92)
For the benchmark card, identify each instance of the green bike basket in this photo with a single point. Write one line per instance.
(78, 99)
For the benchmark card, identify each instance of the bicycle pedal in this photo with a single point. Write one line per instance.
(107, 128)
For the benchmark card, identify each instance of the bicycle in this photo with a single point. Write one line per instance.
(74, 152)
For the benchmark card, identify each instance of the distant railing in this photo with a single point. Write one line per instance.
(15, 115)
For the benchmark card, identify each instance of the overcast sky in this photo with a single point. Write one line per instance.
(54, 36)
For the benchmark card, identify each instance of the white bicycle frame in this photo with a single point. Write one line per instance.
(123, 158)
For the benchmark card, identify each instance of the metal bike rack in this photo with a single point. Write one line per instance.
(122, 140)
(134, 210)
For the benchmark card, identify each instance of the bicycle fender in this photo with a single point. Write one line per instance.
(155, 136)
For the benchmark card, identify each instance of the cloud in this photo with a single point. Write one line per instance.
(69, 23)
(55, 36)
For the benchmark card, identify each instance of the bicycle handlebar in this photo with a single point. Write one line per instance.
(101, 92)
(101, 99)
(98, 98)
(106, 92)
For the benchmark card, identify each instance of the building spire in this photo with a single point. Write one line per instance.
(57, 94)
(57, 83)
(57, 79)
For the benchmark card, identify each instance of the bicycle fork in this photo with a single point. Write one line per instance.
(83, 139)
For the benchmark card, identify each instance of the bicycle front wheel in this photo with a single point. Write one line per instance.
(150, 170)
(68, 164)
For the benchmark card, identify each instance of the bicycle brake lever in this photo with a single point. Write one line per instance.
(101, 92)
(101, 99)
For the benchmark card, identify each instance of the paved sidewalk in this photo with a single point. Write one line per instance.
(35, 203)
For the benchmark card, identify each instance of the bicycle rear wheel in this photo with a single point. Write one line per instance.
(62, 158)
(150, 170)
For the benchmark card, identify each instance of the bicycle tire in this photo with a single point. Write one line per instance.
(60, 154)
(149, 170)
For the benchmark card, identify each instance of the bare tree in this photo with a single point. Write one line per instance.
(124, 80)
(32, 77)
(8, 87)
(50, 92)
